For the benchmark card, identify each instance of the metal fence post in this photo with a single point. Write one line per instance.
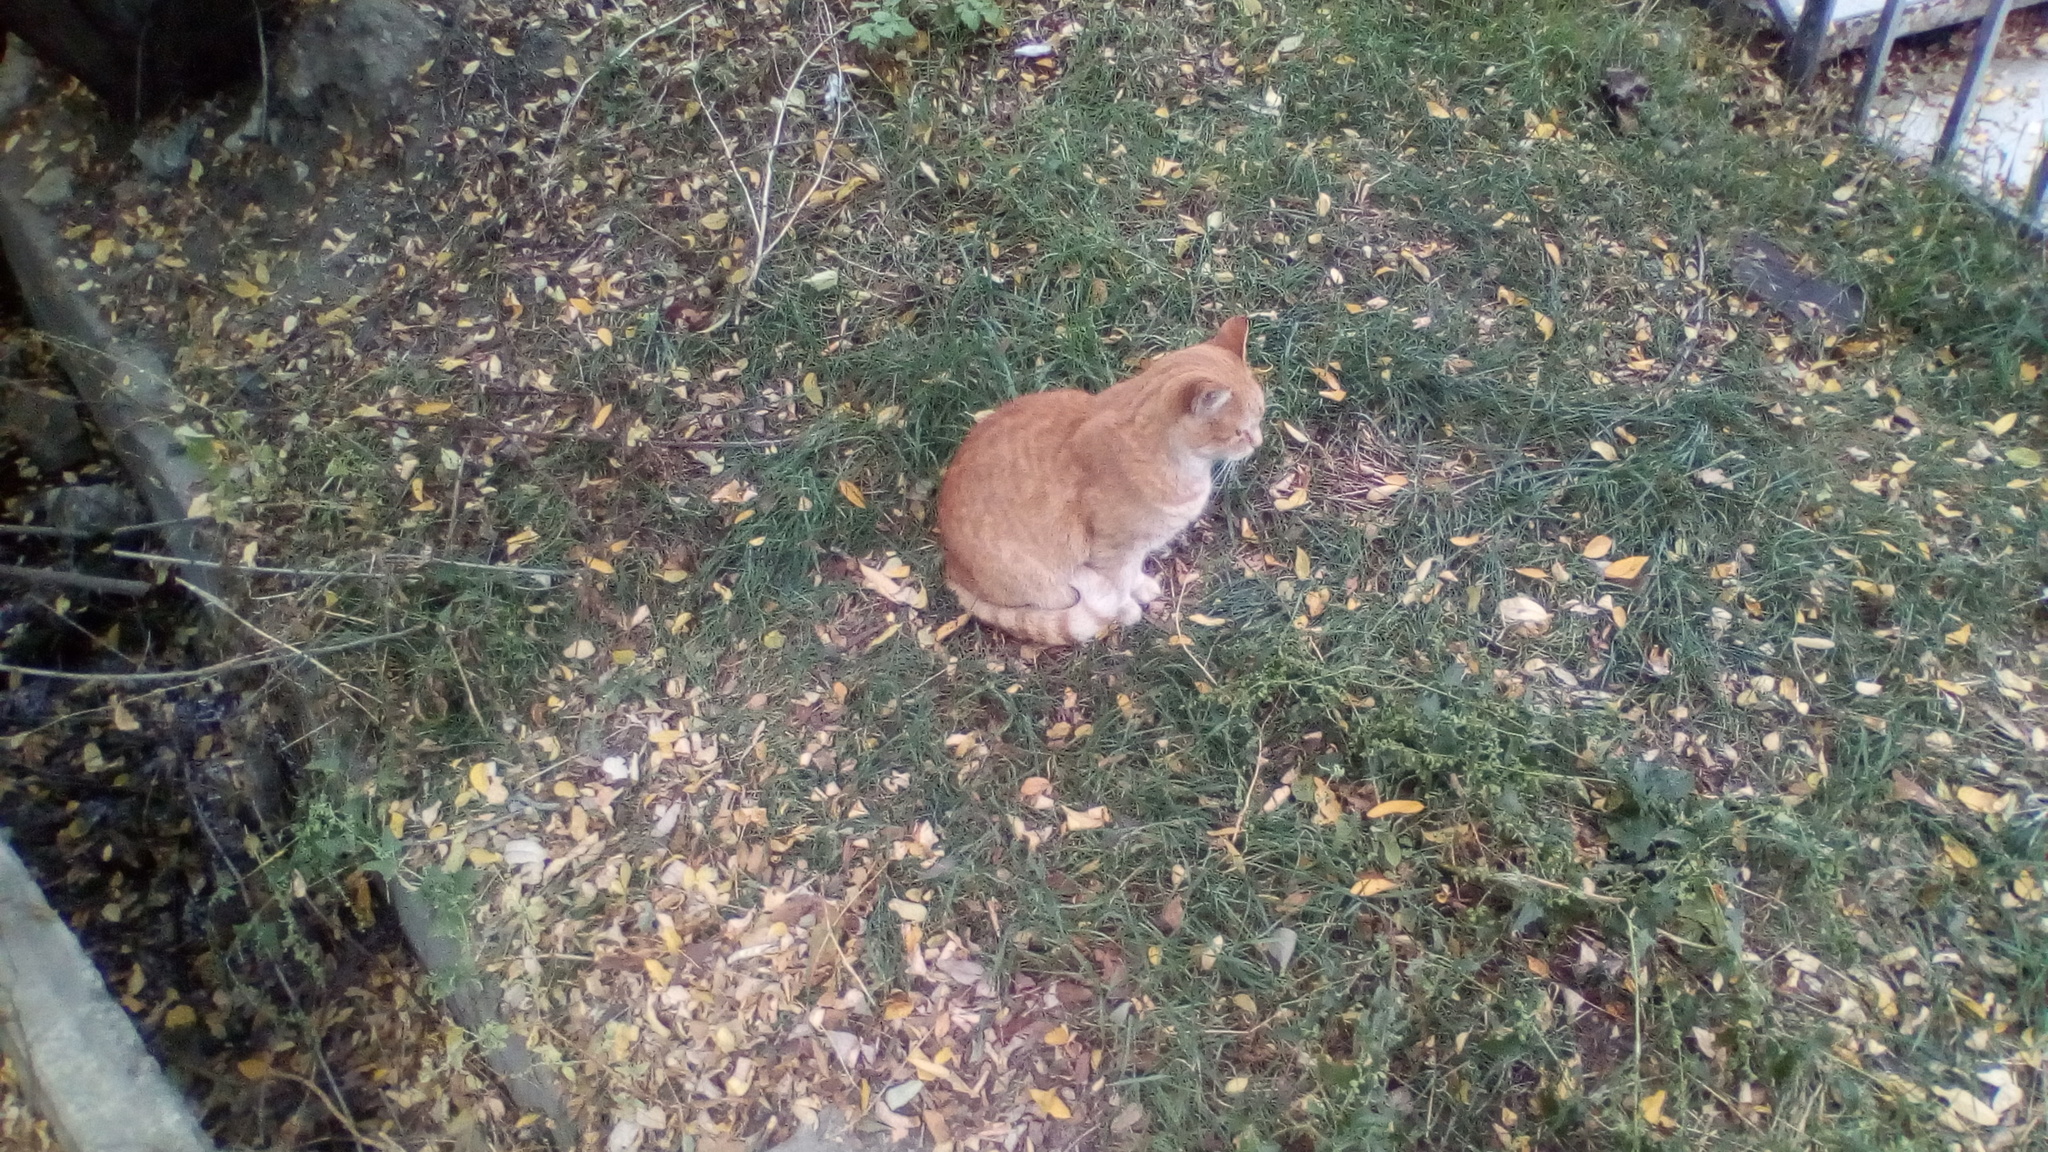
(1808, 39)
(1959, 113)
(2038, 190)
(1875, 57)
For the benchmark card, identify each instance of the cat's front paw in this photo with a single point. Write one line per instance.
(1129, 612)
(1145, 589)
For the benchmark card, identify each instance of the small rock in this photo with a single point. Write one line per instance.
(1817, 306)
(46, 423)
(17, 74)
(362, 55)
(51, 189)
(93, 509)
(1623, 90)
(167, 155)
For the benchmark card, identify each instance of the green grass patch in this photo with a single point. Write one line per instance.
(1742, 852)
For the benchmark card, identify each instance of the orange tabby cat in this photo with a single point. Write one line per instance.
(1053, 502)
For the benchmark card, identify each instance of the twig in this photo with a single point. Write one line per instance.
(569, 111)
(798, 205)
(100, 642)
(455, 494)
(44, 530)
(336, 1111)
(189, 675)
(731, 162)
(463, 674)
(774, 147)
(227, 609)
(762, 214)
(334, 573)
(108, 585)
(257, 569)
(263, 63)
(476, 425)
(1512, 878)
(505, 569)
(242, 885)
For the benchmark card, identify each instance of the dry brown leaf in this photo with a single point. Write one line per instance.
(1906, 788)
(1082, 821)
(1523, 615)
(1172, 915)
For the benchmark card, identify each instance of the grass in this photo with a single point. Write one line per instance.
(1663, 889)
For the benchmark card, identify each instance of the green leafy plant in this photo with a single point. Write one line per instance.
(888, 21)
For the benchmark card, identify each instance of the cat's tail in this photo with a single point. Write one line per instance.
(1056, 626)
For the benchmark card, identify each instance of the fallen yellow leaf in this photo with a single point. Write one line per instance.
(1060, 1036)
(1598, 547)
(852, 492)
(1653, 1110)
(1394, 808)
(1372, 886)
(1959, 637)
(1545, 325)
(1437, 111)
(1626, 568)
(1958, 852)
(181, 1016)
(1538, 965)
(1533, 573)
(1467, 541)
(1051, 1104)
(1979, 800)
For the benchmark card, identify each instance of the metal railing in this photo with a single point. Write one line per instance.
(1809, 44)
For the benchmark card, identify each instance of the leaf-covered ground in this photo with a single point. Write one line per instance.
(1606, 711)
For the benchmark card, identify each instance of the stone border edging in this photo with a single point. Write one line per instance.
(82, 1063)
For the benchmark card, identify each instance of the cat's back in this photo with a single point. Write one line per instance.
(1030, 429)
(1016, 454)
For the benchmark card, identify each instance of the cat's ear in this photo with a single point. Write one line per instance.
(1208, 401)
(1232, 335)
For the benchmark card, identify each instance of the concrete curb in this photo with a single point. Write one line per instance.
(83, 1065)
